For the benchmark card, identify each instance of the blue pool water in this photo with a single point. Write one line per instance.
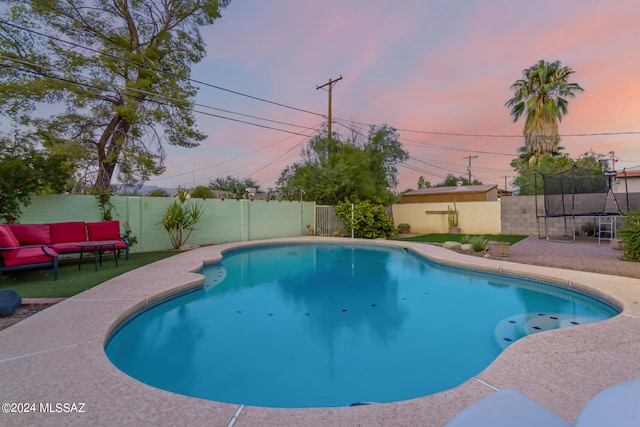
(332, 325)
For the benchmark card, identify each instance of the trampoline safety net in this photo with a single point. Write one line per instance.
(560, 190)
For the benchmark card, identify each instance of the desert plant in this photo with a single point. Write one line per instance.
(629, 235)
(180, 219)
(404, 227)
(452, 216)
(479, 242)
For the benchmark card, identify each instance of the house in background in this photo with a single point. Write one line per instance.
(627, 180)
(459, 193)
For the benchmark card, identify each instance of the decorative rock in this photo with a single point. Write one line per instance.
(9, 301)
(188, 247)
(467, 247)
(451, 245)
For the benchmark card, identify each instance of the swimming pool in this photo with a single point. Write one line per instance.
(333, 325)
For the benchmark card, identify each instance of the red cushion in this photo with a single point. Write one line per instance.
(104, 230)
(66, 247)
(7, 240)
(68, 232)
(29, 256)
(32, 234)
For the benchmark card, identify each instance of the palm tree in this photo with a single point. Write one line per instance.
(542, 94)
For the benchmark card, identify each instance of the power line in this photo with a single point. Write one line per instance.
(490, 135)
(460, 134)
(276, 159)
(225, 161)
(422, 171)
(138, 64)
(169, 73)
(446, 169)
(120, 93)
(45, 74)
(450, 148)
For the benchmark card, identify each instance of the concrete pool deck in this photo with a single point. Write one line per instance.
(57, 356)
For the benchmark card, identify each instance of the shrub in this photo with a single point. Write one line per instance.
(25, 174)
(404, 227)
(158, 192)
(588, 228)
(629, 234)
(479, 242)
(202, 192)
(370, 220)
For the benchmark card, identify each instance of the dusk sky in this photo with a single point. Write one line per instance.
(426, 68)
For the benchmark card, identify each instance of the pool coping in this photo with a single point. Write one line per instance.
(57, 357)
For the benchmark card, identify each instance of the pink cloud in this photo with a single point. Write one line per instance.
(436, 66)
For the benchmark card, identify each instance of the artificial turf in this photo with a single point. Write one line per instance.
(39, 283)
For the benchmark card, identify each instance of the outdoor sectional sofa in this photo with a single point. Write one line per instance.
(40, 245)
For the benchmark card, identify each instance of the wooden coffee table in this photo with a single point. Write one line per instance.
(98, 248)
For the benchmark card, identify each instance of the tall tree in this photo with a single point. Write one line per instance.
(24, 172)
(235, 186)
(385, 153)
(423, 183)
(452, 181)
(364, 168)
(115, 70)
(527, 184)
(541, 95)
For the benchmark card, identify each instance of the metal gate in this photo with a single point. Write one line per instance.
(327, 222)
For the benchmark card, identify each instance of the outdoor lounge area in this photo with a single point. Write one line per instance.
(40, 245)
(58, 356)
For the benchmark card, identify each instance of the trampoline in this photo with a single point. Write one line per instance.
(579, 193)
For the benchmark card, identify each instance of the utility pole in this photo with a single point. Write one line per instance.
(329, 85)
(469, 167)
(612, 156)
(505, 181)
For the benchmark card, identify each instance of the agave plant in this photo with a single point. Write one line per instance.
(479, 243)
(180, 219)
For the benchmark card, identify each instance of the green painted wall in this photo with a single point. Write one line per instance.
(223, 220)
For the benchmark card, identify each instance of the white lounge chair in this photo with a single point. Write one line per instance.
(615, 406)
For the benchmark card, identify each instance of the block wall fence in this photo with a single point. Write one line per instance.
(510, 215)
(424, 218)
(242, 220)
(518, 213)
(223, 220)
